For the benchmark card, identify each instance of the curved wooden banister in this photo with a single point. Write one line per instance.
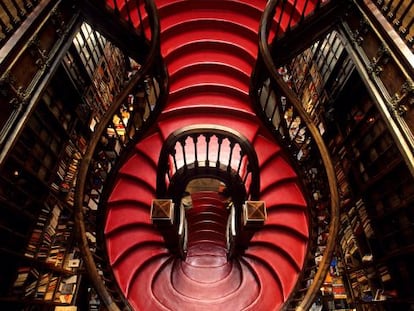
(151, 72)
(267, 77)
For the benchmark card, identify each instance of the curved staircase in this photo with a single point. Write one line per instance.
(210, 49)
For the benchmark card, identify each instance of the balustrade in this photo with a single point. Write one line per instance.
(293, 127)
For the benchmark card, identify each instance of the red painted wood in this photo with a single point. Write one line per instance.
(210, 47)
(279, 264)
(214, 52)
(213, 95)
(221, 117)
(150, 146)
(123, 214)
(124, 240)
(283, 239)
(208, 73)
(207, 30)
(275, 172)
(140, 167)
(126, 190)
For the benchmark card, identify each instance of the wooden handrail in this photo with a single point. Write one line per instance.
(152, 69)
(13, 15)
(299, 140)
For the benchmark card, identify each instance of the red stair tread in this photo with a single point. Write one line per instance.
(270, 296)
(125, 240)
(215, 282)
(210, 30)
(173, 300)
(211, 95)
(257, 4)
(127, 189)
(124, 214)
(274, 172)
(236, 12)
(287, 193)
(291, 243)
(265, 149)
(215, 52)
(151, 146)
(141, 168)
(208, 73)
(125, 270)
(140, 295)
(285, 271)
(295, 218)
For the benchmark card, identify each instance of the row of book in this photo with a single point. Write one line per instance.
(37, 233)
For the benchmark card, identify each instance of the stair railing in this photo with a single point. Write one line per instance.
(13, 15)
(400, 14)
(291, 125)
(183, 233)
(114, 134)
(208, 151)
(231, 232)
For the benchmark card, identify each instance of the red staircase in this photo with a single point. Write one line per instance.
(210, 48)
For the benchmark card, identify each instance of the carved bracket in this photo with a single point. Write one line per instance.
(15, 94)
(382, 58)
(402, 101)
(358, 35)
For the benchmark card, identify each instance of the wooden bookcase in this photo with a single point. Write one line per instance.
(377, 232)
(43, 268)
(376, 237)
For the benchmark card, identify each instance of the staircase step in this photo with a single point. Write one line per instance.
(236, 12)
(150, 146)
(140, 294)
(140, 168)
(270, 296)
(265, 148)
(213, 52)
(212, 30)
(122, 241)
(207, 283)
(210, 96)
(122, 214)
(170, 122)
(287, 193)
(125, 270)
(284, 239)
(294, 217)
(126, 190)
(275, 172)
(202, 298)
(208, 73)
(280, 265)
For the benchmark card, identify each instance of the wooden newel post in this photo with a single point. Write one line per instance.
(163, 218)
(252, 220)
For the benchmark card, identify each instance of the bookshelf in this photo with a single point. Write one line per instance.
(44, 268)
(377, 198)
